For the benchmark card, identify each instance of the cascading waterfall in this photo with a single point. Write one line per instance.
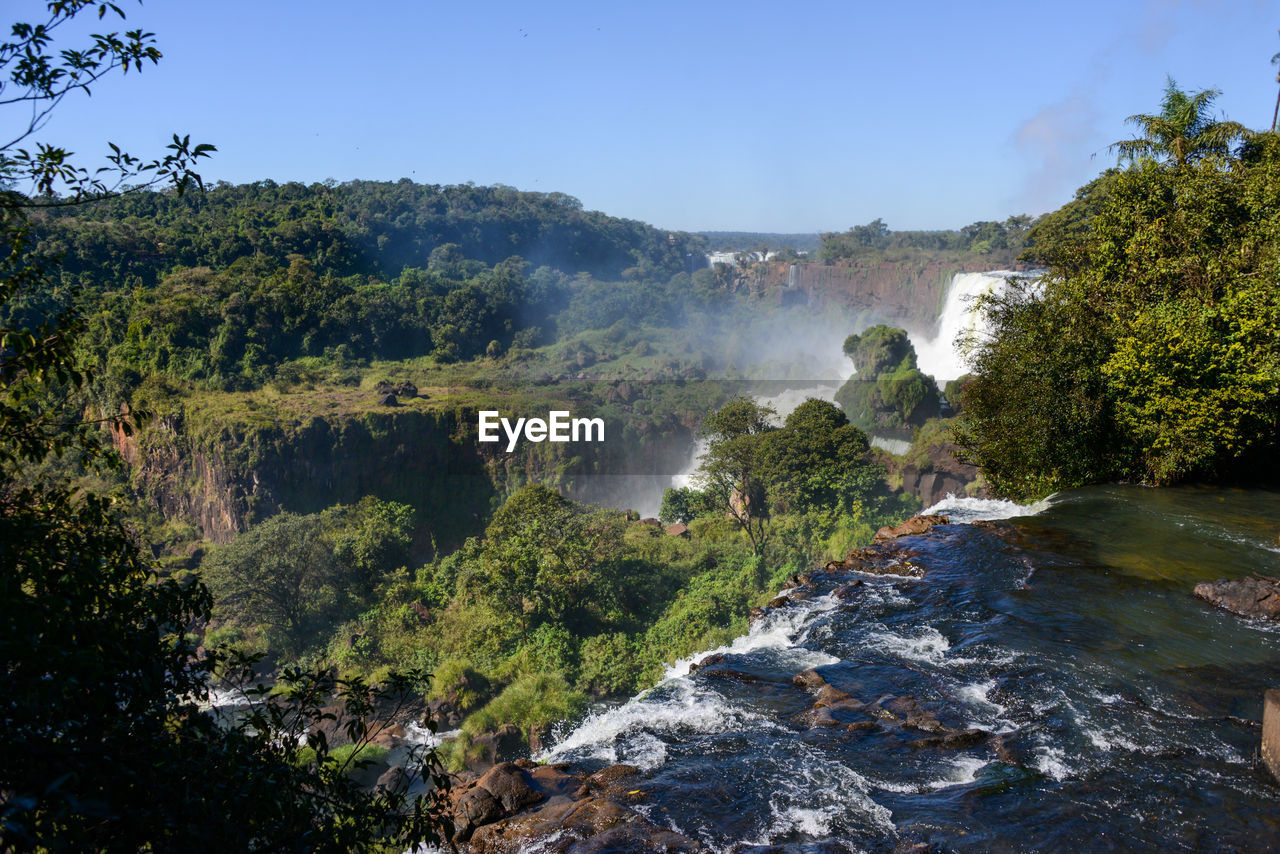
(938, 356)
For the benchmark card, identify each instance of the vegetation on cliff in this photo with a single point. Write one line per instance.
(1149, 351)
(103, 688)
(889, 391)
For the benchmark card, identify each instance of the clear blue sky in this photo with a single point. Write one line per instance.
(798, 116)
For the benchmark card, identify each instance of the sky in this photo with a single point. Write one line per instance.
(778, 117)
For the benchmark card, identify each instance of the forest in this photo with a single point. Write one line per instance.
(158, 334)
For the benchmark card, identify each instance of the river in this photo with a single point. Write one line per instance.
(1117, 711)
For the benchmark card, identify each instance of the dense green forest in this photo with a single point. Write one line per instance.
(1149, 352)
(302, 364)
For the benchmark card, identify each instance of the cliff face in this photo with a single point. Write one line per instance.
(906, 292)
(237, 471)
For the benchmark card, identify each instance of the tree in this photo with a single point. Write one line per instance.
(1183, 132)
(817, 461)
(729, 472)
(102, 684)
(282, 575)
(1149, 350)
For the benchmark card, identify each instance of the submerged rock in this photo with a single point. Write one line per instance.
(1248, 597)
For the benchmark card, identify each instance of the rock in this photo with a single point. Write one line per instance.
(444, 713)
(406, 389)
(509, 785)
(594, 824)
(473, 808)
(847, 591)
(494, 747)
(388, 400)
(421, 612)
(1009, 750)
(367, 774)
(914, 525)
(1248, 597)
(810, 680)
(679, 529)
(395, 780)
(829, 695)
(606, 777)
(1271, 731)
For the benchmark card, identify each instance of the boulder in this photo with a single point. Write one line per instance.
(1248, 597)
(1271, 731)
(494, 747)
(388, 400)
(394, 780)
(474, 807)
(911, 527)
(509, 785)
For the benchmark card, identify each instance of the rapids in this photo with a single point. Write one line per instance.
(1127, 710)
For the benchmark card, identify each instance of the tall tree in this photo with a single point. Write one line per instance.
(1184, 130)
(730, 470)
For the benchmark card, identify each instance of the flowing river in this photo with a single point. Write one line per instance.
(1117, 710)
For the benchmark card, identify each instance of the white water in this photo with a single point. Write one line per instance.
(964, 510)
(939, 357)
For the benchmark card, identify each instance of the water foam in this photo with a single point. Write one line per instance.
(781, 631)
(961, 510)
(939, 357)
(631, 732)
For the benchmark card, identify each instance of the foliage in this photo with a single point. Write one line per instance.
(1152, 353)
(684, 504)
(888, 390)
(979, 238)
(295, 576)
(1184, 130)
(729, 471)
(102, 687)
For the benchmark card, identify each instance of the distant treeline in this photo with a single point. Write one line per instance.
(980, 238)
(742, 241)
(360, 227)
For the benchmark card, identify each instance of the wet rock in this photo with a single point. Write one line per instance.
(593, 824)
(395, 779)
(493, 747)
(914, 525)
(444, 714)
(473, 808)
(1009, 749)
(958, 739)
(1271, 731)
(829, 695)
(810, 680)
(509, 785)
(1248, 597)
(846, 592)
(606, 777)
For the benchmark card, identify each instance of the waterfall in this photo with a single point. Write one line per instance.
(939, 356)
